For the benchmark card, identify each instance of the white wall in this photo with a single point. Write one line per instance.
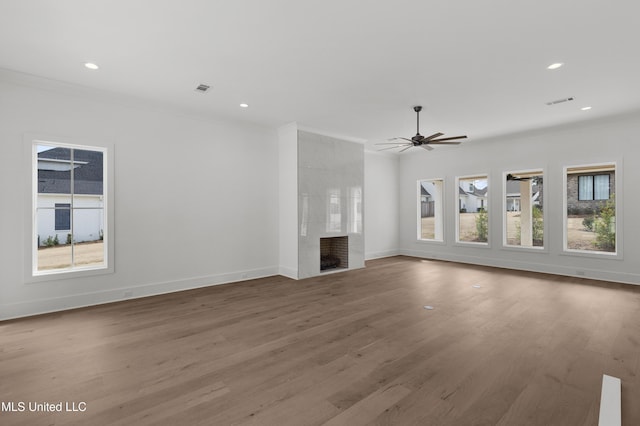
(612, 139)
(195, 200)
(288, 199)
(381, 203)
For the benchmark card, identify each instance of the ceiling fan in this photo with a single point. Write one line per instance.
(512, 177)
(419, 140)
(524, 176)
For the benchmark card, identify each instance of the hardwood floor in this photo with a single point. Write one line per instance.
(350, 349)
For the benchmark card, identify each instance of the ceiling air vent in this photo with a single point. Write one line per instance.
(202, 88)
(559, 101)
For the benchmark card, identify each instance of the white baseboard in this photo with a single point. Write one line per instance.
(570, 271)
(288, 272)
(43, 306)
(381, 254)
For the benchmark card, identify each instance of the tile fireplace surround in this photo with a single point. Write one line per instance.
(330, 199)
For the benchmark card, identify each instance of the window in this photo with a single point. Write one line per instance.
(593, 187)
(523, 209)
(472, 220)
(590, 215)
(63, 217)
(69, 208)
(430, 210)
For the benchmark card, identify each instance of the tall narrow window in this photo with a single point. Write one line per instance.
(590, 217)
(472, 219)
(430, 210)
(523, 205)
(70, 208)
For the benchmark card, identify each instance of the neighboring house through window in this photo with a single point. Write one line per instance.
(472, 218)
(70, 208)
(591, 221)
(430, 210)
(523, 209)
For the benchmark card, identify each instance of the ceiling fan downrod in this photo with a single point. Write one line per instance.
(417, 109)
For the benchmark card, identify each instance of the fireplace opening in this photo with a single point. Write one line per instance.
(334, 253)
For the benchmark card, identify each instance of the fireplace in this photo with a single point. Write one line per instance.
(334, 253)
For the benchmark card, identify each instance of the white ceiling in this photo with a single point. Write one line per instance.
(347, 67)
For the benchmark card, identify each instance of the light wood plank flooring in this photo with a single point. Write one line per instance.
(353, 348)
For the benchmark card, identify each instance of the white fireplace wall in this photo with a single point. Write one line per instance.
(330, 198)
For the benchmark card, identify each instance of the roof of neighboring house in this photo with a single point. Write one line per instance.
(480, 192)
(424, 191)
(476, 192)
(513, 188)
(87, 174)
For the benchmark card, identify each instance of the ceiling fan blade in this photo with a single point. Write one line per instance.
(404, 139)
(450, 138)
(433, 136)
(404, 149)
(427, 147)
(394, 147)
(392, 143)
(444, 143)
(512, 177)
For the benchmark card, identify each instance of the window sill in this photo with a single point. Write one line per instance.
(525, 249)
(592, 254)
(425, 241)
(472, 244)
(65, 274)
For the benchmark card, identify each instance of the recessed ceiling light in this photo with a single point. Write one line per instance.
(91, 65)
(587, 108)
(555, 66)
(244, 105)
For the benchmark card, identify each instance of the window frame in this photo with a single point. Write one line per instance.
(545, 247)
(457, 241)
(617, 190)
(31, 274)
(419, 211)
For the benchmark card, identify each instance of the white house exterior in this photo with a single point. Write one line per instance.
(471, 198)
(61, 213)
(513, 196)
(87, 223)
